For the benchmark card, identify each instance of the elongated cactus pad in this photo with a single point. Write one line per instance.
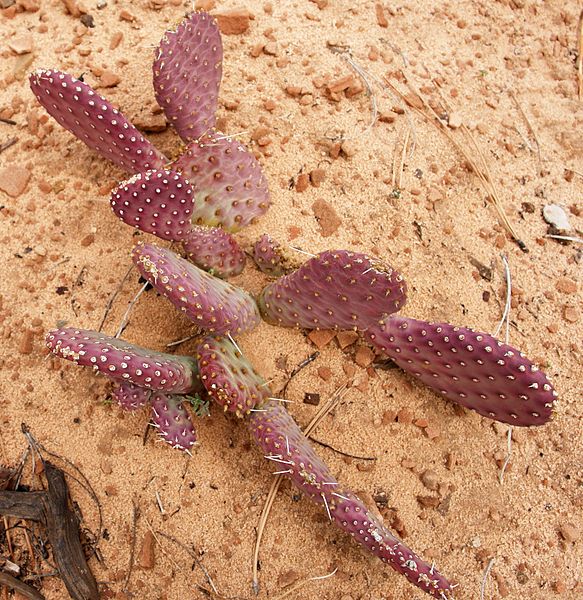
(337, 289)
(214, 249)
(157, 202)
(271, 258)
(228, 377)
(229, 186)
(214, 305)
(173, 421)
(291, 453)
(125, 362)
(94, 120)
(471, 368)
(131, 397)
(187, 74)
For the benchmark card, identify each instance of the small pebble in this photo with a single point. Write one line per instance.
(23, 44)
(346, 338)
(556, 216)
(88, 21)
(327, 217)
(312, 398)
(321, 337)
(302, 182)
(380, 14)
(286, 578)
(25, 346)
(430, 480)
(234, 21)
(570, 314)
(569, 532)
(455, 120)
(566, 285)
(317, 176)
(109, 79)
(126, 15)
(348, 148)
(405, 416)
(364, 356)
(146, 558)
(428, 501)
(13, 180)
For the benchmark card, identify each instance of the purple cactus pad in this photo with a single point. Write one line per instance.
(214, 249)
(173, 421)
(337, 289)
(290, 451)
(187, 74)
(214, 305)
(157, 202)
(229, 186)
(94, 120)
(228, 377)
(471, 368)
(125, 362)
(131, 397)
(271, 258)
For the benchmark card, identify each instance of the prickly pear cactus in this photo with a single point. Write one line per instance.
(228, 376)
(94, 120)
(125, 362)
(214, 250)
(291, 453)
(171, 417)
(468, 367)
(229, 185)
(335, 290)
(187, 74)
(214, 305)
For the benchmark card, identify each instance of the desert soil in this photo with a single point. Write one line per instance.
(504, 71)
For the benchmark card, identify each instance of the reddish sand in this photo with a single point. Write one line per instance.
(507, 69)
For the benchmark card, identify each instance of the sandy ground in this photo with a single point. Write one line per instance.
(507, 71)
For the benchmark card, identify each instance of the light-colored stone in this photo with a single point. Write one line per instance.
(556, 216)
(22, 44)
(13, 180)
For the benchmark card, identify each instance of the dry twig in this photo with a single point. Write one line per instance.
(113, 297)
(580, 56)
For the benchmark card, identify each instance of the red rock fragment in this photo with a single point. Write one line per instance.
(327, 217)
(25, 346)
(13, 180)
(380, 13)
(204, 5)
(146, 558)
(109, 79)
(317, 176)
(566, 285)
(126, 15)
(321, 337)
(339, 85)
(116, 39)
(346, 338)
(72, 8)
(234, 21)
(570, 314)
(364, 356)
(302, 182)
